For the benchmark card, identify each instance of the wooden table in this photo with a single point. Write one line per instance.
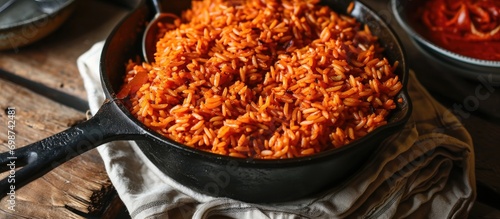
(43, 84)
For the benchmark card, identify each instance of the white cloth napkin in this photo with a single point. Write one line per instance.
(427, 171)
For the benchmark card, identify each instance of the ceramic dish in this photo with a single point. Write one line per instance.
(23, 22)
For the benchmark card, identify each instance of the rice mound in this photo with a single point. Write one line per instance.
(263, 79)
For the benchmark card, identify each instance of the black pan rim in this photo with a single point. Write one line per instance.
(391, 127)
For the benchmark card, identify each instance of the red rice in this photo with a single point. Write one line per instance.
(264, 79)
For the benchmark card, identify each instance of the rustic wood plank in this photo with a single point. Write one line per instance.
(52, 60)
(52, 63)
(116, 209)
(482, 211)
(81, 184)
(77, 184)
(486, 138)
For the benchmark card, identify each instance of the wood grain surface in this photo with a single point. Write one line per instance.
(52, 60)
(69, 187)
(42, 82)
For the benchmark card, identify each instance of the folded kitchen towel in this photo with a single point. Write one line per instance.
(426, 171)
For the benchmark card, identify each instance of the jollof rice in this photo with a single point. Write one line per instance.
(263, 79)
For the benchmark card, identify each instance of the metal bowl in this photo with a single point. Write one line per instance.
(27, 21)
(458, 64)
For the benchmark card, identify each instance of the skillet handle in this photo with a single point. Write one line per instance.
(43, 156)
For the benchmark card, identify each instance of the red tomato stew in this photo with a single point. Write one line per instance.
(467, 27)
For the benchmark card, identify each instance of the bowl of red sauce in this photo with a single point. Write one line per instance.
(463, 34)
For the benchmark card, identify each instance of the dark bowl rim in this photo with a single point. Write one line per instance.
(22, 23)
(452, 55)
(391, 127)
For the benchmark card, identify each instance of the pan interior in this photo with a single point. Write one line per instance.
(124, 43)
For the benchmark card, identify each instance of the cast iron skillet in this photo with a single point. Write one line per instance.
(249, 180)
